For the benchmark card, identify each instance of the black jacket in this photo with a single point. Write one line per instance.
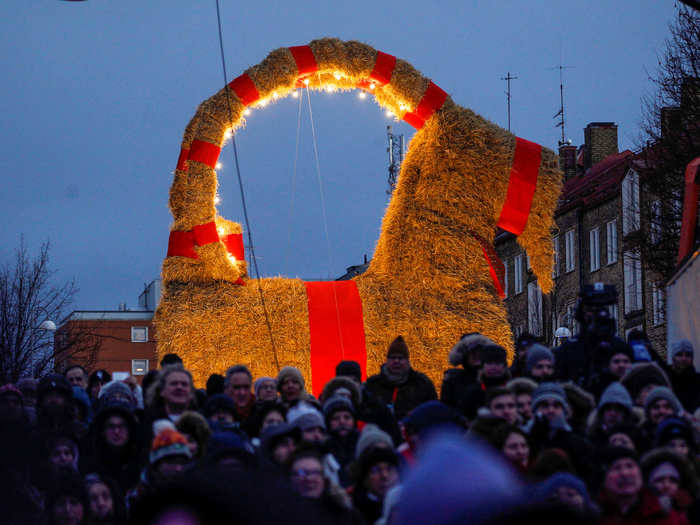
(686, 386)
(455, 382)
(404, 397)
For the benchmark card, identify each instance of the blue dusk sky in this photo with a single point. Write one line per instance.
(96, 96)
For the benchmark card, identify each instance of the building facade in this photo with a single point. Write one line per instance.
(599, 226)
(125, 339)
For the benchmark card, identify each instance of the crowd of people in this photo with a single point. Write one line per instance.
(614, 441)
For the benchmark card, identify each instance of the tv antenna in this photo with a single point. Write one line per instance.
(508, 78)
(562, 123)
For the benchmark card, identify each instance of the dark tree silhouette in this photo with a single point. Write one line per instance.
(670, 139)
(30, 307)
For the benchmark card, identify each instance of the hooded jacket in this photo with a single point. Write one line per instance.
(403, 397)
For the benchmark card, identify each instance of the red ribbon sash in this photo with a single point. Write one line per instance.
(245, 89)
(336, 329)
(521, 186)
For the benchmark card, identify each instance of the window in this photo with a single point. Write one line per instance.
(569, 239)
(655, 221)
(555, 244)
(534, 309)
(612, 309)
(505, 277)
(632, 281)
(594, 247)
(139, 367)
(630, 202)
(518, 273)
(139, 334)
(658, 303)
(612, 241)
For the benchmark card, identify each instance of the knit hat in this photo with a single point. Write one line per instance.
(168, 442)
(349, 368)
(223, 444)
(431, 414)
(550, 391)
(335, 386)
(398, 347)
(665, 469)
(219, 403)
(116, 390)
(371, 435)
(682, 345)
(673, 428)
(610, 455)
(615, 394)
(290, 371)
(549, 487)
(11, 390)
(537, 353)
(304, 416)
(618, 346)
(493, 353)
(370, 458)
(662, 392)
(51, 383)
(259, 382)
(337, 404)
(466, 345)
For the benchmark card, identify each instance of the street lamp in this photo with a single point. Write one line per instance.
(48, 327)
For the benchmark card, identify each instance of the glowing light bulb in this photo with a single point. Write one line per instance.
(246, 111)
(362, 94)
(389, 113)
(232, 259)
(337, 75)
(275, 95)
(306, 81)
(217, 199)
(402, 107)
(263, 102)
(218, 166)
(372, 86)
(295, 94)
(227, 134)
(221, 231)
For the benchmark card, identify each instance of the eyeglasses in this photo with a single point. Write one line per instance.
(304, 473)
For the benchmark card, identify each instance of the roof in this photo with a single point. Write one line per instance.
(598, 184)
(109, 315)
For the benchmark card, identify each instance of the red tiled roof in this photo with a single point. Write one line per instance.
(598, 184)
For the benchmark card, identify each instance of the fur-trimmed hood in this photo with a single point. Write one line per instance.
(641, 374)
(465, 345)
(342, 382)
(689, 480)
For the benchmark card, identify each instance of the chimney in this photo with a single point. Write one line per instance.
(601, 141)
(567, 160)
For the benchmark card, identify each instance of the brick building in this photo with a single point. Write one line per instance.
(125, 337)
(599, 226)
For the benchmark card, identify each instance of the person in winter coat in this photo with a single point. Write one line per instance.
(672, 478)
(67, 501)
(660, 404)
(684, 378)
(494, 373)
(614, 408)
(623, 498)
(513, 443)
(619, 357)
(339, 415)
(398, 385)
(467, 354)
(368, 407)
(292, 387)
(641, 378)
(522, 389)
(196, 430)
(106, 501)
(376, 472)
(549, 428)
(539, 364)
(113, 446)
(308, 478)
